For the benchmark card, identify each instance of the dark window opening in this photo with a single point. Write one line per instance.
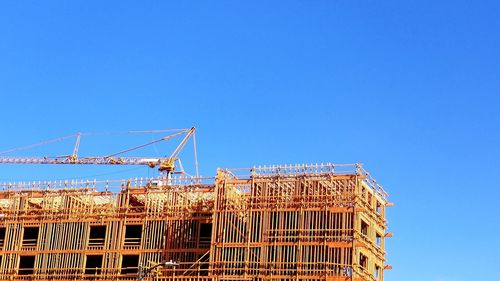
(364, 228)
(205, 233)
(130, 264)
(26, 265)
(378, 240)
(133, 234)
(376, 274)
(30, 236)
(363, 261)
(97, 235)
(2, 236)
(93, 264)
(378, 208)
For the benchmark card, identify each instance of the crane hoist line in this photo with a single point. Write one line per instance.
(164, 164)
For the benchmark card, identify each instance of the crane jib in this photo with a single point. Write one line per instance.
(164, 164)
(152, 162)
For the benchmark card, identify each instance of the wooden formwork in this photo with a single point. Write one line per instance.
(75, 233)
(308, 222)
(298, 223)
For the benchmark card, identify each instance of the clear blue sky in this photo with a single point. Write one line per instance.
(409, 88)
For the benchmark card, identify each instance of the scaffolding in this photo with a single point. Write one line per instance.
(307, 222)
(292, 222)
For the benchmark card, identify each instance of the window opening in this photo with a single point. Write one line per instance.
(376, 274)
(97, 235)
(205, 233)
(93, 264)
(130, 264)
(363, 261)
(30, 236)
(364, 228)
(2, 236)
(133, 234)
(26, 265)
(378, 240)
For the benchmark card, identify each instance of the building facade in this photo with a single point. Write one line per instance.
(291, 222)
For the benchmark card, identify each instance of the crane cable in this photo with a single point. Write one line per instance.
(37, 144)
(88, 134)
(146, 144)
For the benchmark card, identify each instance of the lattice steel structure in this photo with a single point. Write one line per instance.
(300, 222)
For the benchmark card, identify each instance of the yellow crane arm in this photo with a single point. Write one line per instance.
(151, 162)
(164, 163)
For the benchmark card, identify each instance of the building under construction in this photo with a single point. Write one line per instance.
(289, 222)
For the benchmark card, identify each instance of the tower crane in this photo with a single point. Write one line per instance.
(164, 164)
